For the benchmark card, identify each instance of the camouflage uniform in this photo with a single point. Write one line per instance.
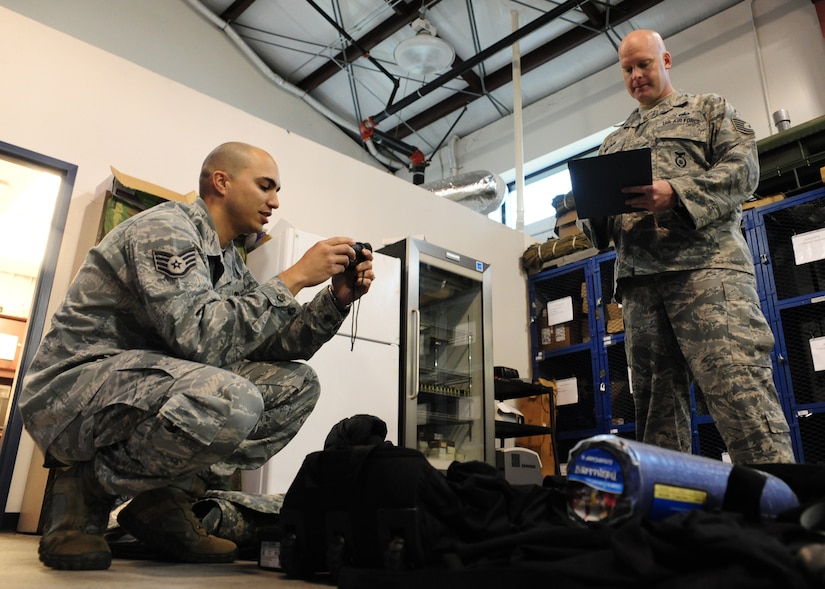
(168, 358)
(686, 281)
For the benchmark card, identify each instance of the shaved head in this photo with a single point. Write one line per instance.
(645, 64)
(239, 184)
(650, 39)
(231, 157)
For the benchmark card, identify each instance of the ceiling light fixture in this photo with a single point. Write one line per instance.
(424, 53)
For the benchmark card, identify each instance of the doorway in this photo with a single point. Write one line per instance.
(35, 191)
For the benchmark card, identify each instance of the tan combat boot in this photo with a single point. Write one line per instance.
(79, 517)
(164, 518)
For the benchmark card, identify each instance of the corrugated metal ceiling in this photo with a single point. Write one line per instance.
(339, 56)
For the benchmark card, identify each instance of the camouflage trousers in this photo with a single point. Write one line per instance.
(705, 327)
(161, 420)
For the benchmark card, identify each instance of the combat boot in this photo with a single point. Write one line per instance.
(164, 518)
(79, 517)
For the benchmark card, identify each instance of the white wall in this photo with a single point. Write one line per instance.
(170, 38)
(72, 101)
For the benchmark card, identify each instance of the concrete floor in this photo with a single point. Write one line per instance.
(20, 568)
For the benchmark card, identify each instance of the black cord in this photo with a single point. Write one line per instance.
(357, 304)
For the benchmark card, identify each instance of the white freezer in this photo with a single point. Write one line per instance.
(370, 387)
(359, 377)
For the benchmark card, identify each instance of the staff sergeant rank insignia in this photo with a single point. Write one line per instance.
(175, 265)
(742, 126)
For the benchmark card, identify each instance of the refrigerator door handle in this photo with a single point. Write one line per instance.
(415, 327)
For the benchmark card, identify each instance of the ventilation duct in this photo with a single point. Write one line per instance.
(480, 191)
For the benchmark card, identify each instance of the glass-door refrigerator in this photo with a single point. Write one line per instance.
(446, 363)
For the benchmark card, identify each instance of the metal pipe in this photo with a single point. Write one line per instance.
(518, 131)
(259, 64)
(762, 77)
(480, 191)
(782, 119)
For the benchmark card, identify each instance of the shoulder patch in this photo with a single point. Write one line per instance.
(743, 126)
(175, 265)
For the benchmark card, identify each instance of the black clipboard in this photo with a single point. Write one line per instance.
(598, 181)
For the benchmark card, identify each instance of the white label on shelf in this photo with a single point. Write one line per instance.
(809, 247)
(567, 391)
(8, 346)
(560, 311)
(818, 352)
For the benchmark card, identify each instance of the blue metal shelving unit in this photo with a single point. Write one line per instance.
(792, 297)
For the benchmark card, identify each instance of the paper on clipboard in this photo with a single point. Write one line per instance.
(597, 182)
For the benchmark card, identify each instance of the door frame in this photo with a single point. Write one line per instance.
(40, 303)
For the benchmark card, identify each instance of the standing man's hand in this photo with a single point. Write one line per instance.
(656, 197)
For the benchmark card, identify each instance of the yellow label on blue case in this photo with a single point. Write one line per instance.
(668, 499)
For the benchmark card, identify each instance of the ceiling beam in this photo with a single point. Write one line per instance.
(530, 61)
(595, 17)
(405, 13)
(236, 9)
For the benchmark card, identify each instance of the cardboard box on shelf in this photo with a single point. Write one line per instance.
(566, 334)
(536, 411)
(568, 230)
(129, 196)
(583, 295)
(545, 337)
(566, 218)
(566, 224)
(613, 318)
(556, 333)
(760, 202)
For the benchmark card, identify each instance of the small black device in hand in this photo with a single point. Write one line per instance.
(359, 256)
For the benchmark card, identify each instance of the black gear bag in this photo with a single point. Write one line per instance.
(357, 506)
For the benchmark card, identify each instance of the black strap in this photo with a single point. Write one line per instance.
(744, 492)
